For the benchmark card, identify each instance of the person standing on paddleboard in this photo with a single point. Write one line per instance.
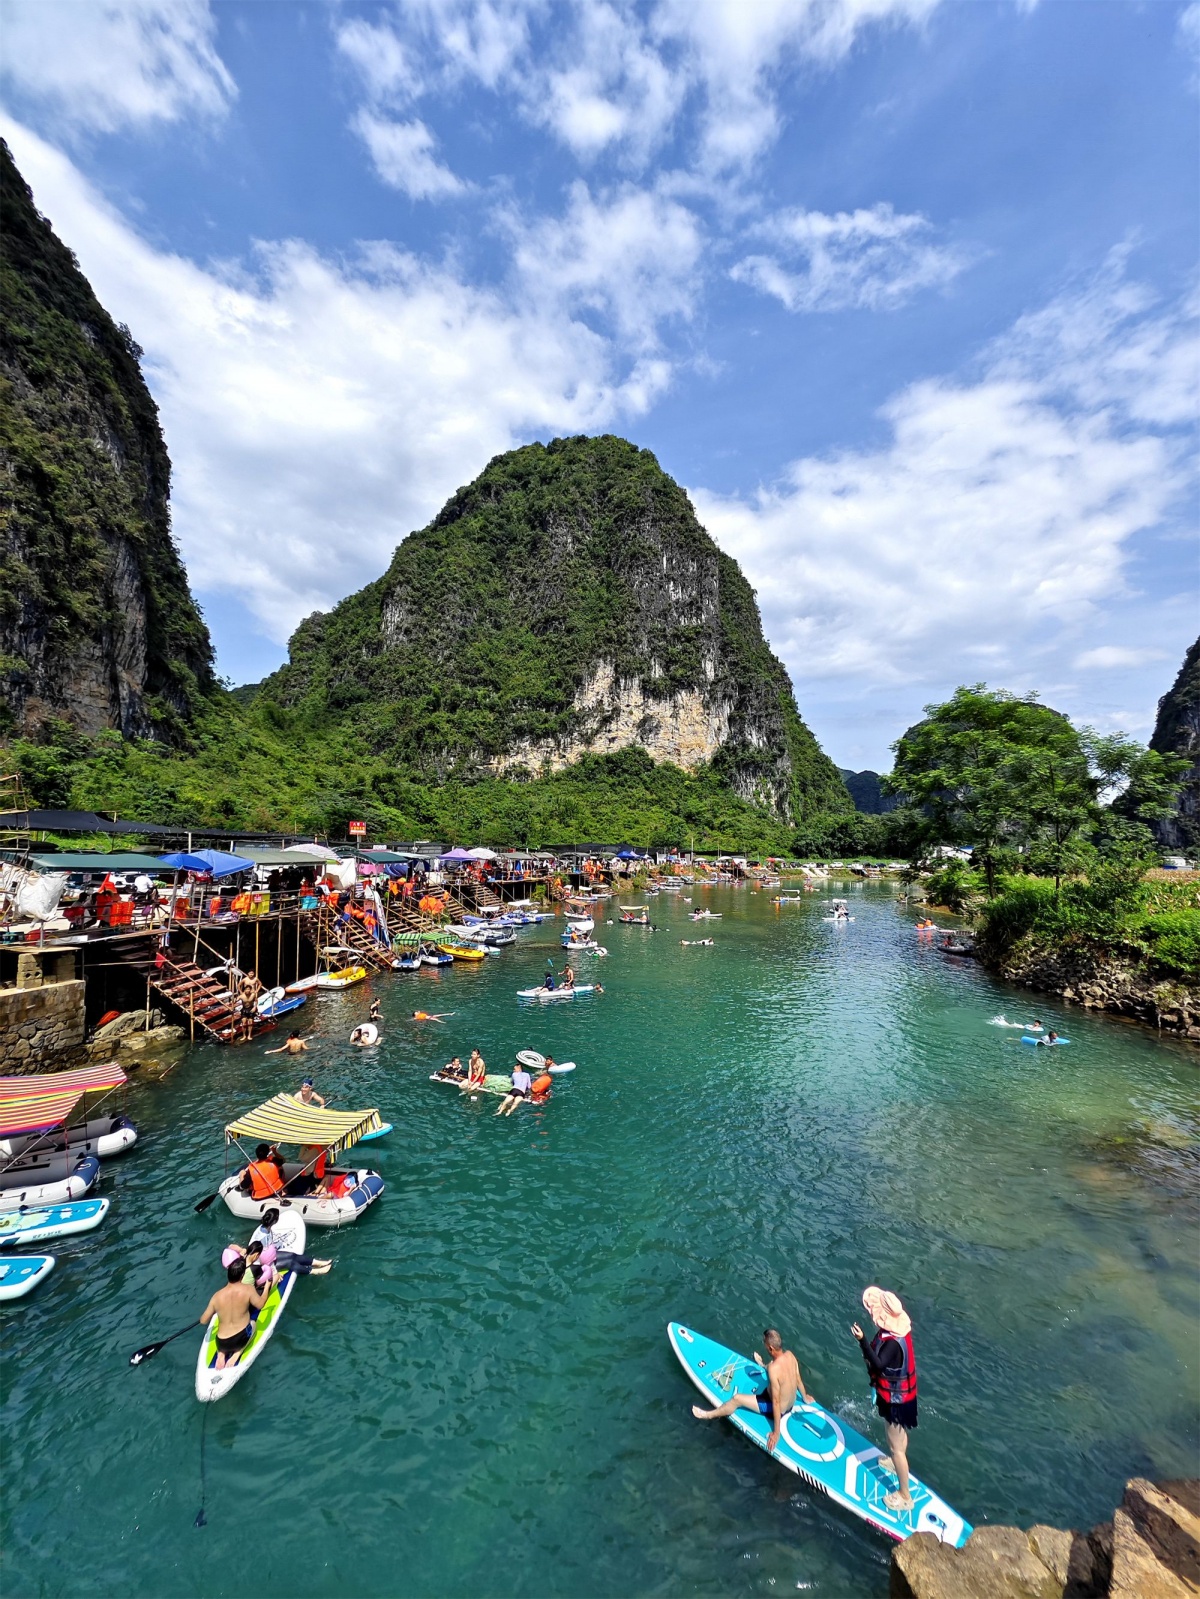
(777, 1398)
(892, 1368)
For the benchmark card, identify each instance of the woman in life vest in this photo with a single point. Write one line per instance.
(892, 1368)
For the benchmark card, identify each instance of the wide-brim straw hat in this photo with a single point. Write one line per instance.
(886, 1311)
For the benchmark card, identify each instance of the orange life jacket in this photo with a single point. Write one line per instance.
(266, 1179)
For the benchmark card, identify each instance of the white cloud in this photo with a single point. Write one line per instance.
(108, 64)
(998, 518)
(381, 60)
(871, 259)
(404, 159)
(1189, 37)
(1108, 657)
(632, 257)
(317, 411)
(602, 75)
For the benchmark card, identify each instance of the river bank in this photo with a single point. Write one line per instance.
(481, 1395)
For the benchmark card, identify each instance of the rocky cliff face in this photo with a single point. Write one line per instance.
(97, 623)
(1177, 732)
(866, 790)
(566, 602)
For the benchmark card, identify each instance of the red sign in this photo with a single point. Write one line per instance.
(358, 829)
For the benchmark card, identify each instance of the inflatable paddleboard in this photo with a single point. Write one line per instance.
(1045, 1042)
(555, 993)
(380, 1132)
(302, 984)
(52, 1221)
(213, 1384)
(820, 1447)
(20, 1274)
(282, 1006)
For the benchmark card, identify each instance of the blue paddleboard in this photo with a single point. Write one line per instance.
(19, 1274)
(380, 1132)
(39, 1222)
(1045, 1042)
(817, 1445)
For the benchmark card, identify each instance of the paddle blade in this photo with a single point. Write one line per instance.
(205, 1203)
(147, 1353)
(201, 1519)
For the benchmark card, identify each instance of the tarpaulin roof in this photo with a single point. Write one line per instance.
(457, 854)
(87, 1080)
(83, 861)
(74, 822)
(35, 1115)
(47, 1099)
(215, 861)
(284, 1120)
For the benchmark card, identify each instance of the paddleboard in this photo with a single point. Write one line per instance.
(1045, 1042)
(20, 1274)
(492, 1083)
(555, 993)
(822, 1448)
(270, 999)
(52, 1221)
(302, 984)
(214, 1384)
(380, 1132)
(282, 1006)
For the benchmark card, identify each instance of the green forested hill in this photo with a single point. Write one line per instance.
(97, 623)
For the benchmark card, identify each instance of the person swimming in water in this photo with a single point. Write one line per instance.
(429, 1016)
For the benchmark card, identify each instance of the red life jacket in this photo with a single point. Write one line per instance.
(900, 1389)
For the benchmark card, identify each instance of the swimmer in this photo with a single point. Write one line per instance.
(429, 1016)
(365, 1035)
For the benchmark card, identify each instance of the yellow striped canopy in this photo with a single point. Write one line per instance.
(284, 1120)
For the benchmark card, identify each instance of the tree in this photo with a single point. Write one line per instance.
(977, 764)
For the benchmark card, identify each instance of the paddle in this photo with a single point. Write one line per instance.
(205, 1203)
(148, 1351)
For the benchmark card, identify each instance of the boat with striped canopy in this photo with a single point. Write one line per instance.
(319, 1135)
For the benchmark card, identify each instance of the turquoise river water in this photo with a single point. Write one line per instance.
(480, 1398)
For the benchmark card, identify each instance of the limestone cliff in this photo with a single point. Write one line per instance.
(566, 602)
(1177, 732)
(97, 623)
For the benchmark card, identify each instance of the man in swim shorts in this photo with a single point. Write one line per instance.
(231, 1306)
(892, 1368)
(522, 1088)
(777, 1398)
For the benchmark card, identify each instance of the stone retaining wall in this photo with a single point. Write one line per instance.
(37, 1025)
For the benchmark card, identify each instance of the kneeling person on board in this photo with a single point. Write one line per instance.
(892, 1368)
(522, 1088)
(231, 1306)
(263, 1177)
(777, 1398)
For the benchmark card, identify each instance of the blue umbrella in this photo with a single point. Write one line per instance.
(214, 861)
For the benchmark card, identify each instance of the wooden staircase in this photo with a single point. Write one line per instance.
(375, 956)
(204, 997)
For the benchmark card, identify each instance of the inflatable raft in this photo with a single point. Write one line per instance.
(51, 1221)
(105, 1136)
(288, 1233)
(555, 993)
(53, 1183)
(318, 1210)
(20, 1274)
(822, 1448)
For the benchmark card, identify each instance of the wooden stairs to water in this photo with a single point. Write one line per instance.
(204, 997)
(324, 930)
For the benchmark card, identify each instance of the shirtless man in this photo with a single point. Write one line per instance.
(777, 1399)
(308, 1094)
(231, 1306)
(295, 1046)
(476, 1073)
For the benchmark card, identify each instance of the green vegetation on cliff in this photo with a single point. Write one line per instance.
(96, 618)
(557, 563)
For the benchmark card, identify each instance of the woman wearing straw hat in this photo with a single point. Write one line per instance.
(892, 1368)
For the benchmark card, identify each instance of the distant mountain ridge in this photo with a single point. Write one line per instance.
(97, 622)
(866, 790)
(565, 603)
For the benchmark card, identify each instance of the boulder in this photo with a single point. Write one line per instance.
(1160, 1529)
(128, 1022)
(994, 1563)
(156, 1038)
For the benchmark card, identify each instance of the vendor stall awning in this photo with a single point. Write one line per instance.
(74, 822)
(284, 1120)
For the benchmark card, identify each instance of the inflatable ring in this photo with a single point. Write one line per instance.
(367, 1033)
(530, 1058)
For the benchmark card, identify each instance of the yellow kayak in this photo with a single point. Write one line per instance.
(346, 978)
(463, 952)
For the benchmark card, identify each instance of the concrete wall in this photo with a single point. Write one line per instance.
(39, 1024)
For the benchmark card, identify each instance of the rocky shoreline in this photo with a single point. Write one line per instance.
(1101, 980)
(1149, 1550)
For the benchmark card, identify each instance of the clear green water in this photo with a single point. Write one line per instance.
(480, 1398)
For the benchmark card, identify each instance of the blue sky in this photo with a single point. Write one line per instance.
(902, 291)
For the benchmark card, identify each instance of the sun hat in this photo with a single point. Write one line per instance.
(886, 1311)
